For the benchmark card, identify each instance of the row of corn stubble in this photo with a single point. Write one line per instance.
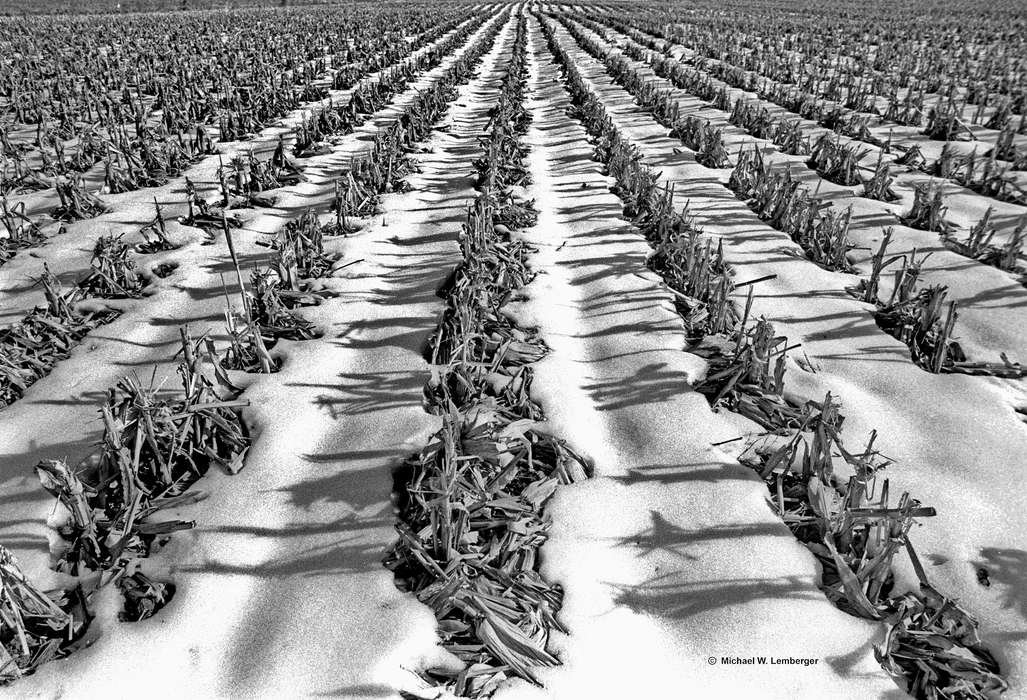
(932, 647)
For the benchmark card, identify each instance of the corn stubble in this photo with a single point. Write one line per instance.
(34, 627)
(21, 230)
(846, 518)
(786, 205)
(30, 348)
(980, 245)
(110, 518)
(843, 512)
(156, 444)
(471, 504)
(113, 273)
(855, 531)
(920, 318)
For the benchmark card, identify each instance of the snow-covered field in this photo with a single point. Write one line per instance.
(507, 460)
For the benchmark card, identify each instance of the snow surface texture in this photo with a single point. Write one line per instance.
(668, 556)
(283, 571)
(954, 438)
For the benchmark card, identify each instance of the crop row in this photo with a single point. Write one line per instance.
(849, 524)
(157, 444)
(143, 164)
(918, 317)
(29, 349)
(471, 503)
(824, 52)
(989, 170)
